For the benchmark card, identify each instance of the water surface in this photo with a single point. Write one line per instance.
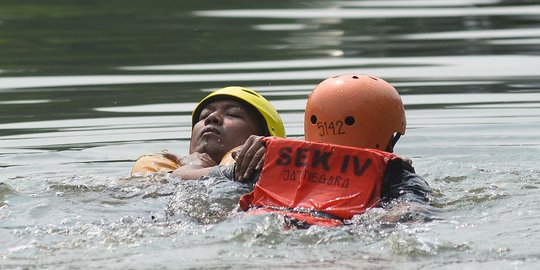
(87, 87)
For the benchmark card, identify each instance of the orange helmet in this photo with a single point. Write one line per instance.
(355, 110)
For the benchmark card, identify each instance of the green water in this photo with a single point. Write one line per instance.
(88, 86)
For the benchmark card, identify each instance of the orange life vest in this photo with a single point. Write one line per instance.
(317, 183)
(153, 163)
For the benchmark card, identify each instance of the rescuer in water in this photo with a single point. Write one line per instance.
(345, 165)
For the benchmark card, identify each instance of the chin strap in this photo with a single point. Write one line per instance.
(394, 140)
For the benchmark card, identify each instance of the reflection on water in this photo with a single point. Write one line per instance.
(350, 13)
(85, 91)
(431, 68)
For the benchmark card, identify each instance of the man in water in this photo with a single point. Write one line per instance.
(345, 165)
(221, 122)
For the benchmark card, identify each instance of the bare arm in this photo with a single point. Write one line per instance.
(249, 159)
(194, 166)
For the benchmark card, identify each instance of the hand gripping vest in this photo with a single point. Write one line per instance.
(317, 183)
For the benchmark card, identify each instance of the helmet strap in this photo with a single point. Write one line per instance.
(395, 139)
(393, 142)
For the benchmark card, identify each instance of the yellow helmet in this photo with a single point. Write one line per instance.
(274, 124)
(355, 110)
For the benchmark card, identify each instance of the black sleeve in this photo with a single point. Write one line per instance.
(227, 172)
(401, 182)
(222, 171)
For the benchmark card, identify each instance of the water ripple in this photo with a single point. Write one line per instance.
(399, 68)
(366, 13)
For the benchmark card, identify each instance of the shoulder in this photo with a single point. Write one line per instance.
(401, 180)
(400, 164)
(154, 163)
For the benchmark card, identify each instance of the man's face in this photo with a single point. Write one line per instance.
(223, 125)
